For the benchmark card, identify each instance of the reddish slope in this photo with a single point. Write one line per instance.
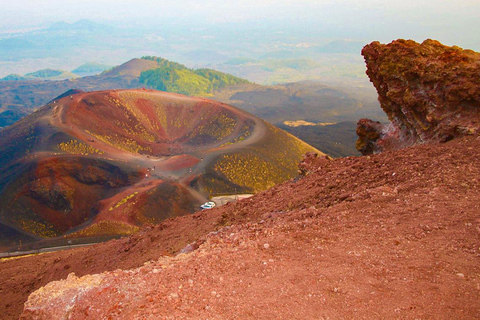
(395, 235)
(132, 68)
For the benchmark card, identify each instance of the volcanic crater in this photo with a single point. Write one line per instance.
(92, 164)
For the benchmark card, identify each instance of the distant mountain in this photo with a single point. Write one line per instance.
(44, 74)
(132, 68)
(91, 68)
(15, 77)
(239, 61)
(51, 74)
(175, 77)
(11, 44)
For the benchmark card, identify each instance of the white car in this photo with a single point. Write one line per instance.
(208, 205)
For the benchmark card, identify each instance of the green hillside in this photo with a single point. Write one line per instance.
(44, 74)
(91, 68)
(14, 77)
(51, 74)
(175, 77)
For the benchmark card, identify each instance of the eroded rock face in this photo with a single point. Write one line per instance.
(429, 91)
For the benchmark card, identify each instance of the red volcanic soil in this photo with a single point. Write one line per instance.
(178, 163)
(393, 235)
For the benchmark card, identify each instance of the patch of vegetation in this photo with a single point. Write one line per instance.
(165, 63)
(121, 143)
(91, 68)
(220, 80)
(249, 170)
(45, 73)
(42, 229)
(50, 74)
(175, 77)
(123, 201)
(75, 147)
(14, 77)
(263, 167)
(219, 126)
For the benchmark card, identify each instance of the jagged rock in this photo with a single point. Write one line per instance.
(368, 132)
(429, 91)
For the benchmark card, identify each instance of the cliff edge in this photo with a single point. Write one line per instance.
(429, 91)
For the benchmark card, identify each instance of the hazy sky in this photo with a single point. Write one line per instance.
(447, 21)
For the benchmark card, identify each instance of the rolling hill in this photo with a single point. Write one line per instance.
(174, 77)
(44, 74)
(51, 74)
(91, 164)
(90, 68)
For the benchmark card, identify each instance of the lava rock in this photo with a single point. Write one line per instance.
(429, 92)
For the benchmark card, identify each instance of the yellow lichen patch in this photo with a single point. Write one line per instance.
(108, 228)
(263, 165)
(38, 228)
(249, 170)
(130, 100)
(123, 201)
(76, 147)
(220, 126)
(121, 143)
(136, 120)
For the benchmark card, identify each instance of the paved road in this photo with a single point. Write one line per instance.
(43, 250)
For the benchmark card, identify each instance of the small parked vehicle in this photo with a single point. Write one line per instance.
(208, 205)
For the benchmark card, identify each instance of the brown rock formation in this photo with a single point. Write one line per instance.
(429, 91)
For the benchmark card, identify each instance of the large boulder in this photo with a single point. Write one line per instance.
(429, 91)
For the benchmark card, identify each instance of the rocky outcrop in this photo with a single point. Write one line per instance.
(429, 91)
